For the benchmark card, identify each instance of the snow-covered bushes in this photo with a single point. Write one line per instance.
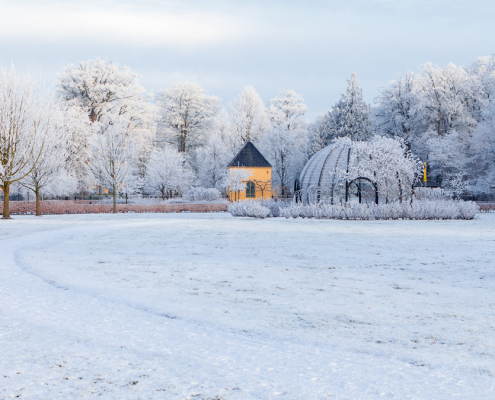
(244, 208)
(438, 209)
(421, 193)
(202, 194)
(273, 206)
(249, 208)
(418, 210)
(468, 209)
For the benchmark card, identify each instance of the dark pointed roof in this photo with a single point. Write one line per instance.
(249, 156)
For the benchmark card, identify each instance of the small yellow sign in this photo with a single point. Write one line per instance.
(424, 172)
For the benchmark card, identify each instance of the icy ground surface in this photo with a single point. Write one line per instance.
(207, 306)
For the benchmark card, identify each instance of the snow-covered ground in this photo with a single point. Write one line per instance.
(207, 306)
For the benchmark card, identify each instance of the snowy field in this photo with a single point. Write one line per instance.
(207, 306)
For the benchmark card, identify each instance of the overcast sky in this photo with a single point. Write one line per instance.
(309, 46)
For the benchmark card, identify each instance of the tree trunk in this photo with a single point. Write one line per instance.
(6, 209)
(38, 205)
(114, 200)
(163, 194)
(400, 189)
(439, 127)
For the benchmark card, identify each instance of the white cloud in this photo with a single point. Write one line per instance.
(64, 22)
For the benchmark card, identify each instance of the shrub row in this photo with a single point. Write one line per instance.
(418, 210)
(487, 207)
(69, 207)
(202, 194)
(249, 208)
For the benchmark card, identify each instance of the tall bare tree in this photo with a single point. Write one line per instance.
(24, 121)
(51, 172)
(114, 154)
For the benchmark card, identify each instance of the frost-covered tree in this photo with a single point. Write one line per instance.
(103, 88)
(449, 156)
(186, 114)
(436, 113)
(443, 99)
(65, 183)
(286, 151)
(439, 101)
(248, 117)
(167, 172)
(482, 72)
(75, 132)
(482, 144)
(443, 107)
(350, 116)
(394, 168)
(285, 143)
(211, 160)
(50, 173)
(287, 109)
(114, 153)
(318, 135)
(235, 180)
(25, 108)
(224, 130)
(386, 162)
(395, 114)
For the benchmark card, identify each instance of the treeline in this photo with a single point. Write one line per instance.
(445, 115)
(100, 127)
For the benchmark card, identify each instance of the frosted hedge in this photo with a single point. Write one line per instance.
(249, 209)
(202, 194)
(256, 208)
(417, 210)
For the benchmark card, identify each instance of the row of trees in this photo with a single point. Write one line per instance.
(210, 135)
(100, 127)
(81, 138)
(445, 115)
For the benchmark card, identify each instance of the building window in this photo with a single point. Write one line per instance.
(250, 190)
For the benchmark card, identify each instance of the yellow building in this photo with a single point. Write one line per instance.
(258, 184)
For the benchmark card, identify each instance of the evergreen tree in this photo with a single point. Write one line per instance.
(350, 117)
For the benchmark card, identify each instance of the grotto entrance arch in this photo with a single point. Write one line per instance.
(357, 182)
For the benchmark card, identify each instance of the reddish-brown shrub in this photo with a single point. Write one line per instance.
(487, 207)
(71, 207)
